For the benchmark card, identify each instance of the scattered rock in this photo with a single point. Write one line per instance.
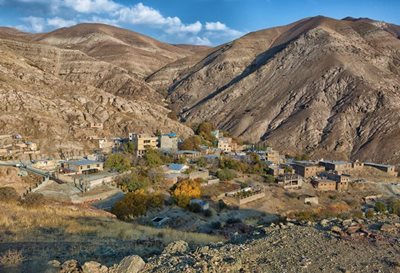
(176, 247)
(94, 267)
(130, 264)
(71, 266)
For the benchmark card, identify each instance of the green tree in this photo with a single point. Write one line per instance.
(269, 178)
(128, 147)
(201, 162)
(204, 130)
(135, 204)
(133, 182)
(153, 158)
(118, 162)
(225, 174)
(191, 143)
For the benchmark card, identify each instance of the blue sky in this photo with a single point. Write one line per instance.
(208, 22)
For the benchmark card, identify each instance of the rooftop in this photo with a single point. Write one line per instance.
(377, 165)
(177, 167)
(83, 162)
(335, 162)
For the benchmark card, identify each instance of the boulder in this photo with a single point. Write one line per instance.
(176, 247)
(324, 222)
(130, 264)
(388, 228)
(94, 267)
(71, 266)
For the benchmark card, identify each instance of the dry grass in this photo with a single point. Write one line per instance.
(67, 222)
(11, 257)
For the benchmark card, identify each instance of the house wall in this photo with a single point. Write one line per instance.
(325, 185)
(168, 143)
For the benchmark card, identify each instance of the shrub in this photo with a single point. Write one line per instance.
(133, 182)
(204, 130)
(369, 213)
(216, 225)
(202, 162)
(11, 257)
(135, 204)
(153, 158)
(8, 194)
(186, 190)
(118, 162)
(394, 206)
(233, 221)
(269, 179)
(380, 207)
(191, 143)
(34, 200)
(208, 213)
(225, 174)
(194, 207)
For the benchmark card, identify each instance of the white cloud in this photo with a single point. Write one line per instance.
(215, 26)
(34, 24)
(92, 6)
(199, 41)
(60, 22)
(171, 28)
(140, 14)
(218, 29)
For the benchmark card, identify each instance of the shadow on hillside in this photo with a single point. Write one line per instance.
(95, 245)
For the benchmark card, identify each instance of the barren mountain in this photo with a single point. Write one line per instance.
(137, 53)
(322, 86)
(52, 95)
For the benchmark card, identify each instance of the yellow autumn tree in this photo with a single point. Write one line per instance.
(186, 190)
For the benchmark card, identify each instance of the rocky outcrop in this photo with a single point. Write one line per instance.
(46, 106)
(322, 86)
(331, 245)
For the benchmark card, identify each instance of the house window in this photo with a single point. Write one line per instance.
(88, 167)
(98, 165)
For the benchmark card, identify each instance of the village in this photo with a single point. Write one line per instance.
(202, 182)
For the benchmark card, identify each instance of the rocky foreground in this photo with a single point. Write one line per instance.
(352, 245)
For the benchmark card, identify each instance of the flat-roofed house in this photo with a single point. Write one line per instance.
(225, 144)
(83, 166)
(290, 181)
(339, 166)
(306, 168)
(168, 142)
(143, 143)
(389, 169)
(324, 184)
(272, 156)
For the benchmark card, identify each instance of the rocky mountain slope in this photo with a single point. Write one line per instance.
(310, 247)
(52, 95)
(322, 86)
(137, 53)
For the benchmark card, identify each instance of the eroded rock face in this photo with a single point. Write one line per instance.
(323, 86)
(55, 111)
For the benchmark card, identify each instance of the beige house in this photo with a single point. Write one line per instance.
(389, 169)
(306, 169)
(290, 181)
(272, 156)
(83, 166)
(169, 142)
(143, 142)
(226, 144)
